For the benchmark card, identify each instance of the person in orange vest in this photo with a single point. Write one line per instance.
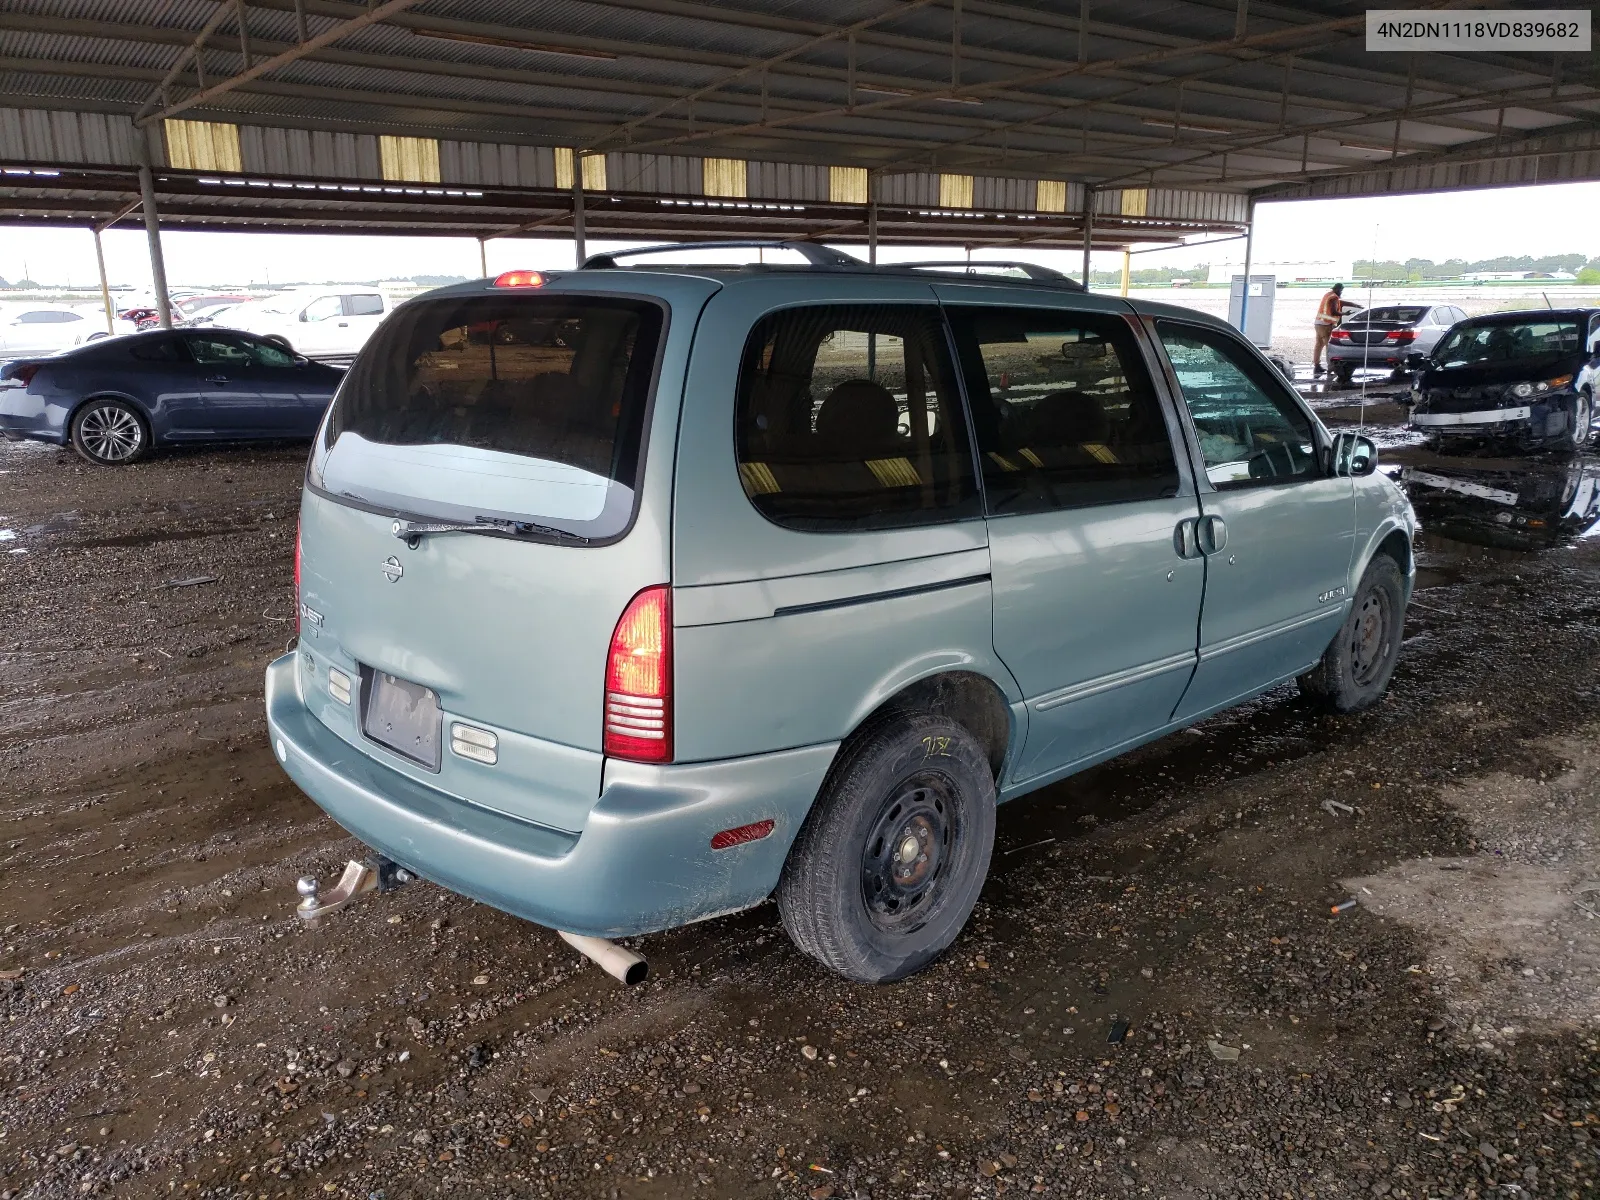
(1329, 313)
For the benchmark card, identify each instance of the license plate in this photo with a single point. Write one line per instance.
(401, 715)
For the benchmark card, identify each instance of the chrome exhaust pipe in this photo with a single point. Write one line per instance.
(616, 961)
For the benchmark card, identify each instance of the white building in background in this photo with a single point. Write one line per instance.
(1319, 271)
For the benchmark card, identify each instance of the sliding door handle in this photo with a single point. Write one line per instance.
(1213, 535)
(1186, 538)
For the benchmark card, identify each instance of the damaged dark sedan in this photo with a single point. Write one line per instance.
(1510, 376)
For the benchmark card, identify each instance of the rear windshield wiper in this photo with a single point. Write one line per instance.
(407, 531)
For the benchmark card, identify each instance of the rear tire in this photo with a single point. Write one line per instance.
(888, 866)
(1357, 665)
(110, 433)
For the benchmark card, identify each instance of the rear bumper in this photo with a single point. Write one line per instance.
(642, 863)
(25, 414)
(1372, 356)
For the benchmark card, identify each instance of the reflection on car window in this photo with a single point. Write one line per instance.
(848, 418)
(1506, 341)
(221, 349)
(48, 316)
(1250, 433)
(321, 310)
(363, 304)
(167, 350)
(1408, 314)
(1064, 410)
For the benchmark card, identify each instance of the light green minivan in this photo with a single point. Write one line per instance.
(634, 595)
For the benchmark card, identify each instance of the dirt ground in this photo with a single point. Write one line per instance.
(169, 1028)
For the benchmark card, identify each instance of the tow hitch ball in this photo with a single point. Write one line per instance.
(374, 874)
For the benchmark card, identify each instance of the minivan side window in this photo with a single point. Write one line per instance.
(1064, 410)
(848, 418)
(1250, 433)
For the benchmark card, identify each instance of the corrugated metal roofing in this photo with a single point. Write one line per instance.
(1156, 94)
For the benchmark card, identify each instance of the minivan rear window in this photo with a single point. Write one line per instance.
(527, 409)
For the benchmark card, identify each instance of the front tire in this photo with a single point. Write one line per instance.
(888, 866)
(110, 433)
(1357, 665)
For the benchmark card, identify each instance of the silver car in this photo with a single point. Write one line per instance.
(1383, 337)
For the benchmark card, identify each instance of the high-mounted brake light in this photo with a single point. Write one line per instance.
(519, 279)
(638, 712)
(297, 577)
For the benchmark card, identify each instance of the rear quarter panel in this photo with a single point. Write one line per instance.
(749, 677)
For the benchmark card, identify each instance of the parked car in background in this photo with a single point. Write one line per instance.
(330, 323)
(1386, 335)
(115, 401)
(1509, 375)
(31, 330)
(629, 597)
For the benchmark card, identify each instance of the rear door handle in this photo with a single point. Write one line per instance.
(344, 324)
(216, 379)
(1213, 535)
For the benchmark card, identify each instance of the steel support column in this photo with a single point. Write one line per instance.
(152, 229)
(483, 256)
(577, 208)
(105, 285)
(1249, 247)
(1088, 232)
(872, 233)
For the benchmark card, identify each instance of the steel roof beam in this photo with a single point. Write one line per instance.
(370, 17)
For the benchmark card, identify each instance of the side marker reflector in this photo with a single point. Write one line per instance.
(741, 834)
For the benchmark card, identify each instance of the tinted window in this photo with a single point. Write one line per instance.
(512, 407)
(1250, 432)
(321, 310)
(167, 350)
(1406, 315)
(231, 349)
(848, 418)
(47, 317)
(1506, 341)
(1064, 410)
(363, 304)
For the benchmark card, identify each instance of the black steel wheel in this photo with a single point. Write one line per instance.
(1356, 668)
(110, 433)
(890, 861)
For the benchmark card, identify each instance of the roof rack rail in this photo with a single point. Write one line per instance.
(1035, 272)
(814, 254)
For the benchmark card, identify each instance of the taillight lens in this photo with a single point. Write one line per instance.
(638, 717)
(1339, 335)
(24, 374)
(297, 577)
(1403, 335)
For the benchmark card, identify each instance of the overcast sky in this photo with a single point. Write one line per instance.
(1471, 225)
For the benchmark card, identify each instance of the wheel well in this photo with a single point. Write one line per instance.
(1397, 547)
(965, 697)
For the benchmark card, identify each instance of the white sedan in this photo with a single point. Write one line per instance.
(36, 330)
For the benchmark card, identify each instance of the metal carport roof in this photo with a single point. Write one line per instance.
(952, 120)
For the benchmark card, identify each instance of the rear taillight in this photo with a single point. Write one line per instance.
(25, 373)
(297, 578)
(638, 717)
(1403, 335)
(1339, 335)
